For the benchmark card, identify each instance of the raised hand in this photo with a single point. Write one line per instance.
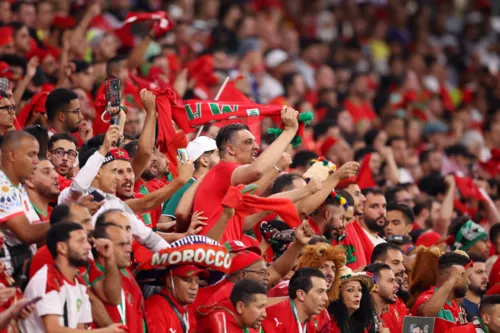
(88, 201)
(289, 118)
(111, 138)
(347, 170)
(186, 170)
(148, 100)
(314, 185)
(304, 233)
(104, 247)
(284, 161)
(197, 223)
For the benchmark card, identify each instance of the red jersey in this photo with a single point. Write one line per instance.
(222, 293)
(43, 257)
(282, 319)
(130, 310)
(63, 182)
(161, 318)
(361, 111)
(393, 317)
(41, 215)
(209, 197)
(450, 316)
(219, 318)
(351, 241)
(279, 290)
(150, 218)
(204, 294)
(494, 277)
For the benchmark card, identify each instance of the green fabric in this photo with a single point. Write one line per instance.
(170, 206)
(468, 235)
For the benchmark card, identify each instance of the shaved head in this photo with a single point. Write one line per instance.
(12, 140)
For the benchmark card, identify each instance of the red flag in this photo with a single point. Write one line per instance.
(365, 176)
(231, 93)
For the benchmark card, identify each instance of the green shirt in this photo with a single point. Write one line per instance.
(170, 206)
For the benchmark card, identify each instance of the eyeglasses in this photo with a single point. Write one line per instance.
(76, 112)
(11, 109)
(60, 152)
(262, 272)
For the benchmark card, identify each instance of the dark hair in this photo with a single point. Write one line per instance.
(3, 94)
(60, 214)
(226, 134)
(283, 181)
(80, 65)
(57, 100)
(476, 258)
(101, 219)
(391, 193)
(494, 232)
(347, 196)
(422, 202)
(131, 148)
(16, 6)
(301, 280)
(321, 128)
(60, 232)
(302, 158)
(432, 184)
(376, 268)
(89, 148)
(16, 26)
(61, 136)
(112, 64)
(456, 224)
(488, 302)
(359, 320)
(41, 135)
(407, 212)
(424, 156)
(15, 61)
(380, 251)
(362, 152)
(451, 258)
(288, 79)
(372, 191)
(245, 291)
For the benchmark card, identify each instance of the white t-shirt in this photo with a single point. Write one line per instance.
(56, 291)
(14, 201)
(375, 240)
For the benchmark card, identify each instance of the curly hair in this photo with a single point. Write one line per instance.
(424, 272)
(314, 255)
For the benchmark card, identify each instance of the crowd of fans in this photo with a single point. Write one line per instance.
(357, 186)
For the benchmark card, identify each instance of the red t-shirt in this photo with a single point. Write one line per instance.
(451, 315)
(362, 111)
(494, 277)
(40, 214)
(393, 317)
(209, 197)
(131, 297)
(161, 318)
(43, 257)
(281, 319)
(63, 182)
(222, 293)
(279, 290)
(356, 255)
(204, 294)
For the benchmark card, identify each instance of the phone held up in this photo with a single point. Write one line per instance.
(183, 156)
(113, 96)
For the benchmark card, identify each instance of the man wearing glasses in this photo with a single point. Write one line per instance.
(7, 113)
(64, 115)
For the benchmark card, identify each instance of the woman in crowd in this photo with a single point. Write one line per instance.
(353, 312)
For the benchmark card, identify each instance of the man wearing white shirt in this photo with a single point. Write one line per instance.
(98, 177)
(374, 214)
(19, 221)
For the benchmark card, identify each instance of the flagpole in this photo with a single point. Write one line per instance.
(216, 98)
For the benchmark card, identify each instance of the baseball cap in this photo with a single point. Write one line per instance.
(235, 246)
(242, 260)
(200, 145)
(190, 270)
(275, 58)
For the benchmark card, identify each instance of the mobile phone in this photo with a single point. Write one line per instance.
(183, 156)
(33, 301)
(399, 239)
(96, 196)
(113, 95)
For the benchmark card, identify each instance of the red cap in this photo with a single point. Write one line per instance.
(243, 259)
(327, 144)
(346, 182)
(6, 72)
(190, 270)
(235, 246)
(38, 102)
(429, 238)
(495, 290)
(116, 154)
(6, 36)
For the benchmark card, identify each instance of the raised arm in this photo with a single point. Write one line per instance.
(185, 206)
(446, 213)
(247, 174)
(147, 139)
(109, 287)
(312, 202)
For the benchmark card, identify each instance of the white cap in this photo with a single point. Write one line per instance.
(275, 58)
(200, 145)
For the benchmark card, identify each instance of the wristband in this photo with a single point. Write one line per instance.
(277, 169)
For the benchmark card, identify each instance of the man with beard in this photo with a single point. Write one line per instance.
(308, 297)
(374, 215)
(62, 152)
(205, 155)
(64, 297)
(245, 309)
(384, 294)
(439, 301)
(478, 285)
(390, 255)
(328, 220)
(43, 188)
(130, 310)
(64, 115)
